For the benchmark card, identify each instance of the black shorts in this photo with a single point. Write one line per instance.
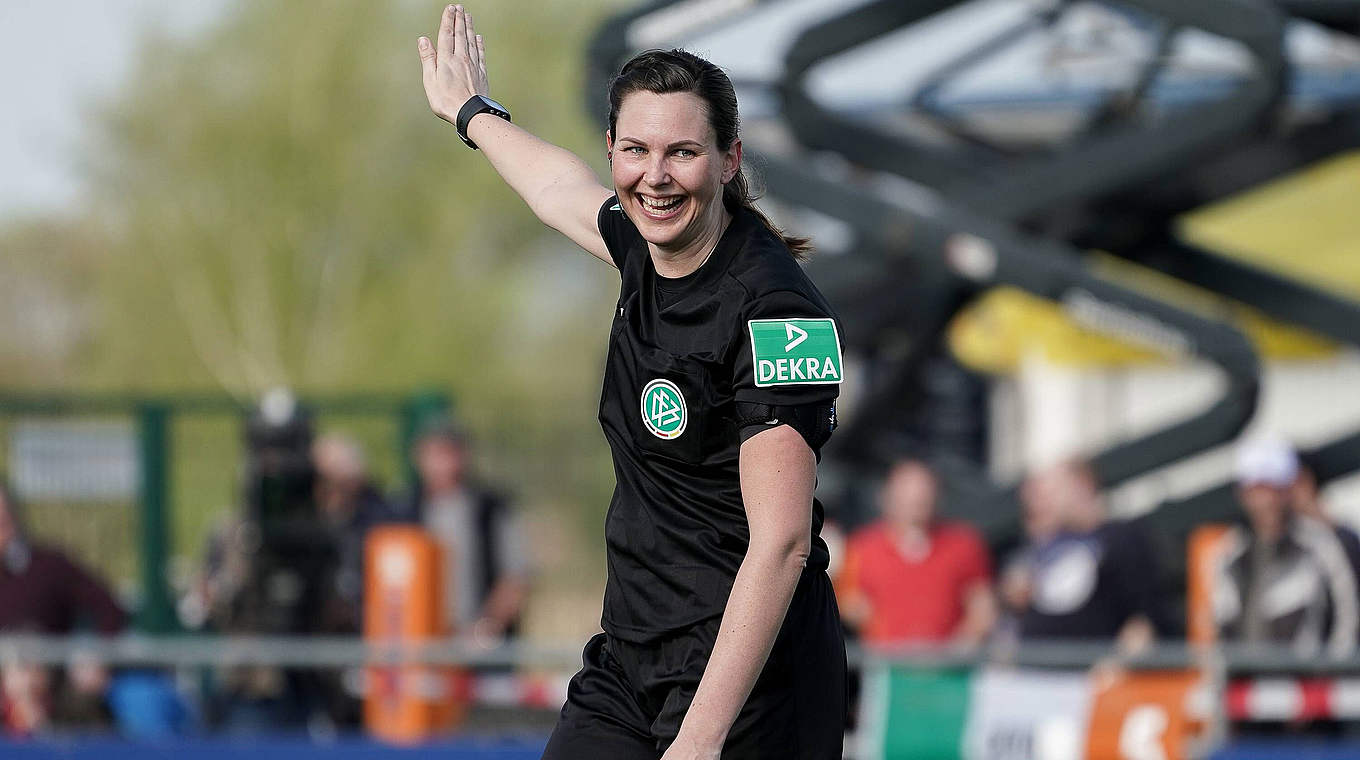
(629, 699)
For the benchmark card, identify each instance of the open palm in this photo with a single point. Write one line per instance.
(454, 69)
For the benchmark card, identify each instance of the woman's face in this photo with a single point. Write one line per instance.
(668, 171)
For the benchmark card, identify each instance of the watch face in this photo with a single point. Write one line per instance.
(493, 103)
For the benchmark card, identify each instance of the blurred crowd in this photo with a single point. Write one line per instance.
(1285, 574)
(912, 578)
(291, 561)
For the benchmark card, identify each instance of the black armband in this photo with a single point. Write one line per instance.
(812, 421)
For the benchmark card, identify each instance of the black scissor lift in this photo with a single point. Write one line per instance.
(1137, 159)
(938, 206)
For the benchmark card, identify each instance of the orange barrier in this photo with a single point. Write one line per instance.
(1148, 715)
(404, 602)
(1201, 558)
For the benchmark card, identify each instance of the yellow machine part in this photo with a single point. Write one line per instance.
(1305, 226)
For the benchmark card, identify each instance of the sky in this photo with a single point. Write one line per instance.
(57, 57)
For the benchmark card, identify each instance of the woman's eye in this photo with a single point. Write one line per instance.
(634, 149)
(684, 153)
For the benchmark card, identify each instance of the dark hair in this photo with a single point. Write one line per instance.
(666, 71)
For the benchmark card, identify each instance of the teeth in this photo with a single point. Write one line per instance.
(659, 205)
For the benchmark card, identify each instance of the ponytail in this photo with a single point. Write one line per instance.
(737, 195)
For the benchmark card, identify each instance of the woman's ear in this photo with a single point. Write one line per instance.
(608, 147)
(732, 162)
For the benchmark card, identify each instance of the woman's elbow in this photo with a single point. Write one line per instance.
(786, 550)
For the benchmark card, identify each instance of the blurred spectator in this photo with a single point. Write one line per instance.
(1284, 577)
(42, 591)
(1041, 519)
(1085, 576)
(349, 505)
(486, 567)
(274, 568)
(911, 578)
(1306, 499)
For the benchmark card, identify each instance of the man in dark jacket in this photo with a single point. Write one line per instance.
(1284, 577)
(486, 569)
(348, 505)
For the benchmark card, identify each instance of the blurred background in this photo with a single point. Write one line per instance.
(289, 375)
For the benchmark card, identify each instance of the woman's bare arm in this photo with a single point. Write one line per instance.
(778, 475)
(559, 187)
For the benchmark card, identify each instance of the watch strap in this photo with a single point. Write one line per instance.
(475, 105)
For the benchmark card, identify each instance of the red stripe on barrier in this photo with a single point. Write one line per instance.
(1239, 700)
(1274, 699)
(1317, 702)
(462, 685)
(536, 694)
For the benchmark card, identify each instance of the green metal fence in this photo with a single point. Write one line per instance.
(128, 482)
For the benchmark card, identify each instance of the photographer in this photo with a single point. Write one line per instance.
(273, 569)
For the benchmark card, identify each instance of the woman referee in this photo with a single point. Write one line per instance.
(721, 635)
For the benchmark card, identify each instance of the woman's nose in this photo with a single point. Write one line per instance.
(657, 172)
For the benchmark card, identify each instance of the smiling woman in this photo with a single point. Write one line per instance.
(667, 171)
(721, 634)
(668, 112)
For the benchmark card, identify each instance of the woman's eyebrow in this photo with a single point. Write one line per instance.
(679, 144)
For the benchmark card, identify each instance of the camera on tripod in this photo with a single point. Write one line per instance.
(290, 554)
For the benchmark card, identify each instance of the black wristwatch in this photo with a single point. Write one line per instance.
(475, 105)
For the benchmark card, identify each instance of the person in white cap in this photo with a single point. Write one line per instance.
(1283, 577)
(1307, 500)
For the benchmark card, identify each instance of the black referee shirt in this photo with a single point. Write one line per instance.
(746, 326)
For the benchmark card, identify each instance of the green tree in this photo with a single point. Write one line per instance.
(283, 209)
(272, 203)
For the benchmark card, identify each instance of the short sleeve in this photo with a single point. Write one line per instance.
(975, 563)
(787, 352)
(618, 232)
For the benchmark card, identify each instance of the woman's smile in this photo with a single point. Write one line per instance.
(661, 208)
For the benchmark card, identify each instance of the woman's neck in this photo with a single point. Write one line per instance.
(688, 259)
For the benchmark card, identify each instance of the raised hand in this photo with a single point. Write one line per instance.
(454, 69)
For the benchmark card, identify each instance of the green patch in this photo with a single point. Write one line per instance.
(663, 409)
(795, 352)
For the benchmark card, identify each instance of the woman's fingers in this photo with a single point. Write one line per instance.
(473, 53)
(481, 49)
(446, 45)
(459, 32)
(471, 41)
(452, 65)
(428, 61)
